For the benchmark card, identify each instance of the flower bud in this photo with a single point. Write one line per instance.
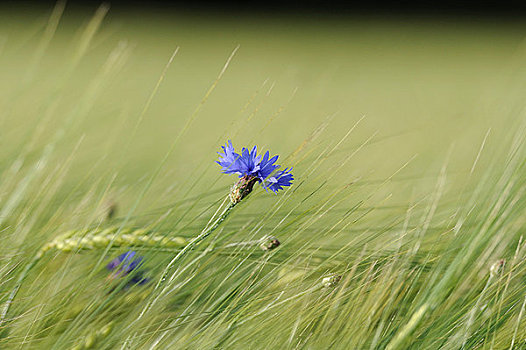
(331, 281)
(269, 243)
(242, 188)
(497, 268)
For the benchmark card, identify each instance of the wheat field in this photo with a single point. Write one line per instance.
(403, 228)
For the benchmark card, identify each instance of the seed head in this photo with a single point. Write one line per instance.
(331, 281)
(269, 243)
(497, 268)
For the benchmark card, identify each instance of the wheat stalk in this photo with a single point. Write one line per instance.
(89, 239)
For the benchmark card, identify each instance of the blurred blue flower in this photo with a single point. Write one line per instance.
(124, 264)
(253, 167)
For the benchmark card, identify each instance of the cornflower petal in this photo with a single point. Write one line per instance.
(249, 162)
(125, 263)
(281, 179)
(267, 167)
(229, 159)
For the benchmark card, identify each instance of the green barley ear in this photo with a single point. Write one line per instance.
(99, 239)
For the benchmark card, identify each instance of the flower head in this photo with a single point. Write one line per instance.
(124, 264)
(252, 168)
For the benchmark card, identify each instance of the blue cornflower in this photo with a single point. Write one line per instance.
(229, 159)
(252, 168)
(279, 180)
(267, 167)
(124, 264)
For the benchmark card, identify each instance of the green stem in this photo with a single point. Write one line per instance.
(204, 234)
(15, 290)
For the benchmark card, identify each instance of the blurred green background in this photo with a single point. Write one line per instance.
(428, 87)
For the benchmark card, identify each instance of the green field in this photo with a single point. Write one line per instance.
(407, 138)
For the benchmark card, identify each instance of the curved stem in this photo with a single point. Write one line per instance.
(16, 288)
(204, 234)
